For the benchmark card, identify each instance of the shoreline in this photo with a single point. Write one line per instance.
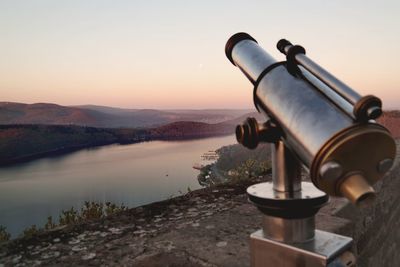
(70, 149)
(50, 153)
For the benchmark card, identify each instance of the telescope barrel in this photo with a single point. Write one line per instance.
(244, 52)
(323, 134)
(345, 91)
(338, 100)
(368, 107)
(292, 102)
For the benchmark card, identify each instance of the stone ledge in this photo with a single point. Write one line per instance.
(205, 228)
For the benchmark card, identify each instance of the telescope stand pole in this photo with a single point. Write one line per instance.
(288, 236)
(286, 180)
(286, 169)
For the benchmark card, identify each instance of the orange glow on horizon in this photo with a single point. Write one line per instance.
(171, 55)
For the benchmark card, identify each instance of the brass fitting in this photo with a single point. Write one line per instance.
(356, 189)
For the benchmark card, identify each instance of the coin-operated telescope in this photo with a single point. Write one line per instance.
(316, 121)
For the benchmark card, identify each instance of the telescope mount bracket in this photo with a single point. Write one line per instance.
(288, 236)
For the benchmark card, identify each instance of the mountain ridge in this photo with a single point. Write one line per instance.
(108, 117)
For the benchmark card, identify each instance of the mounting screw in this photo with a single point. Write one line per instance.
(331, 170)
(385, 165)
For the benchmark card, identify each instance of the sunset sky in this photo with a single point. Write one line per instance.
(170, 54)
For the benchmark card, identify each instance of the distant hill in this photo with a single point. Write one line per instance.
(108, 117)
(391, 120)
(167, 116)
(189, 129)
(22, 142)
(25, 142)
(238, 120)
(44, 113)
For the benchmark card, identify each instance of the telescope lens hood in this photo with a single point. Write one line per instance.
(236, 38)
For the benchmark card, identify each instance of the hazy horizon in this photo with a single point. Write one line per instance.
(154, 108)
(122, 107)
(170, 55)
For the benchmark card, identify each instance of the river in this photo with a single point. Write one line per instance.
(132, 175)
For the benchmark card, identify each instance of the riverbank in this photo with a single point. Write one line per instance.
(236, 163)
(22, 143)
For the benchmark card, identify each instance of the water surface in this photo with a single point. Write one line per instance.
(134, 175)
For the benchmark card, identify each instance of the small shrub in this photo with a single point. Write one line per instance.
(30, 231)
(111, 208)
(4, 235)
(91, 210)
(49, 224)
(68, 217)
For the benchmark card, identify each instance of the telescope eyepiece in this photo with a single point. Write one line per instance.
(236, 38)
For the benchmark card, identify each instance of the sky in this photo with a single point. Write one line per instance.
(170, 54)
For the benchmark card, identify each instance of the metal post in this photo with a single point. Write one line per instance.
(286, 179)
(289, 231)
(286, 169)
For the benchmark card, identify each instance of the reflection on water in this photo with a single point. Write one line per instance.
(130, 174)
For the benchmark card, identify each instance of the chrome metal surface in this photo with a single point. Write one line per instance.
(331, 170)
(251, 59)
(266, 191)
(320, 251)
(289, 230)
(307, 118)
(385, 165)
(286, 169)
(341, 88)
(335, 98)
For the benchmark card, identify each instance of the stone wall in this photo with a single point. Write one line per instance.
(376, 229)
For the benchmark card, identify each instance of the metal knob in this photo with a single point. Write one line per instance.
(251, 133)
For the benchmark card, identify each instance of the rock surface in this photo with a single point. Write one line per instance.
(205, 228)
